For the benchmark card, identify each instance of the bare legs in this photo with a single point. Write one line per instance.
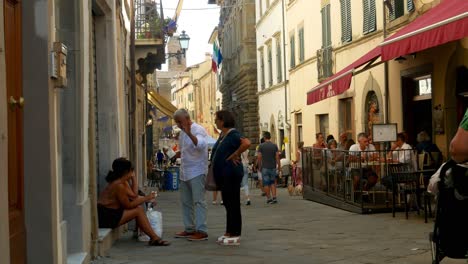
(141, 219)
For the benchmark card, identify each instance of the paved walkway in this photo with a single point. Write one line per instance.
(292, 231)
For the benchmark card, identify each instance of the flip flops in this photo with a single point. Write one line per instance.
(159, 243)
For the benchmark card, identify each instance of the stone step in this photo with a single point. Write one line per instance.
(107, 237)
(78, 258)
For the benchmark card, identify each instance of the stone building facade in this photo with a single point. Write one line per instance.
(238, 82)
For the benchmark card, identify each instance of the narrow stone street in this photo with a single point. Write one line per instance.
(292, 231)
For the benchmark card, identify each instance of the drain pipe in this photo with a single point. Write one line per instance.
(287, 126)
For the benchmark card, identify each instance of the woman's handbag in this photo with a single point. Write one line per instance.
(210, 183)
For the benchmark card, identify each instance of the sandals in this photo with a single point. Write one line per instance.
(230, 241)
(158, 243)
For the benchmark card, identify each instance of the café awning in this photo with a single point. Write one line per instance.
(161, 104)
(448, 21)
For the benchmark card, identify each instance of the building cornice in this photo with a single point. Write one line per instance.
(303, 64)
(272, 88)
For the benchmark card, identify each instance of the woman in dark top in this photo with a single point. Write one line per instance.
(228, 173)
(118, 203)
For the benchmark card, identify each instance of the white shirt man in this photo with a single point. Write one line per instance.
(402, 151)
(193, 169)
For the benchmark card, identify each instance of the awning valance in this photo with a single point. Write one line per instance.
(448, 21)
(161, 103)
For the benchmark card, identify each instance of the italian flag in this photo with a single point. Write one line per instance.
(216, 57)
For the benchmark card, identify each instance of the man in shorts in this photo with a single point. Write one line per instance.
(268, 161)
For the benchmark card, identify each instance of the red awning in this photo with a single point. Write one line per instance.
(448, 21)
(339, 82)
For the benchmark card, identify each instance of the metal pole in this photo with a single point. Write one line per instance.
(385, 63)
(132, 104)
(287, 126)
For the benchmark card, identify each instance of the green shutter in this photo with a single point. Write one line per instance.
(346, 29)
(301, 45)
(369, 21)
(279, 76)
(343, 20)
(293, 54)
(328, 23)
(372, 16)
(410, 5)
(365, 11)
(398, 9)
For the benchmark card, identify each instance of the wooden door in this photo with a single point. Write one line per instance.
(12, 23)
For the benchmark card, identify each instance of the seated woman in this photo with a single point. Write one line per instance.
(118, 203)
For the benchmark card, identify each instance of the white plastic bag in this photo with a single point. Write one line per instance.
(155, 219)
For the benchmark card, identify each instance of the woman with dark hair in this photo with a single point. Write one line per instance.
(118, 203)
(228, 173)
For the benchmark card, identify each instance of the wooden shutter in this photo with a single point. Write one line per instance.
(369, 21)
(346, 31)
(301, 44)
(328, 26)
(293, 54)
(279, 76)
(270, 66)
(365, 11)
(410, 5)
(372, 16)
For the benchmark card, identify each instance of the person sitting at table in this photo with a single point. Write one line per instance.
(426, 146)
(363, 152)
(400, 150)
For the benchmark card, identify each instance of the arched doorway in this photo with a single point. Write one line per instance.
(372, 110)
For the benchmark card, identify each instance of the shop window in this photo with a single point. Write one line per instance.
(323, 126)
(346, 116)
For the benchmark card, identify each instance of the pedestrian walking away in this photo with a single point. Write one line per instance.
(228, 172)
(245, 179)
(193, 169)
(269, 162)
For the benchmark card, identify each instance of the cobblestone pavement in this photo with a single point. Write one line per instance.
(292, 231)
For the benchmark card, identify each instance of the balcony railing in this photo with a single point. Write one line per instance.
(149, 23)
(324, 63)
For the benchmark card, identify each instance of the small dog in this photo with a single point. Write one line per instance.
(295, 191)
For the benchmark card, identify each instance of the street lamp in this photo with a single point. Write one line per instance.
(184, 40)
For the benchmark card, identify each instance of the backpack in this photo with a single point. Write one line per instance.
(451, 226)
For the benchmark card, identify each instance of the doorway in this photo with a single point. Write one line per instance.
(13, 58)
(417, 106)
